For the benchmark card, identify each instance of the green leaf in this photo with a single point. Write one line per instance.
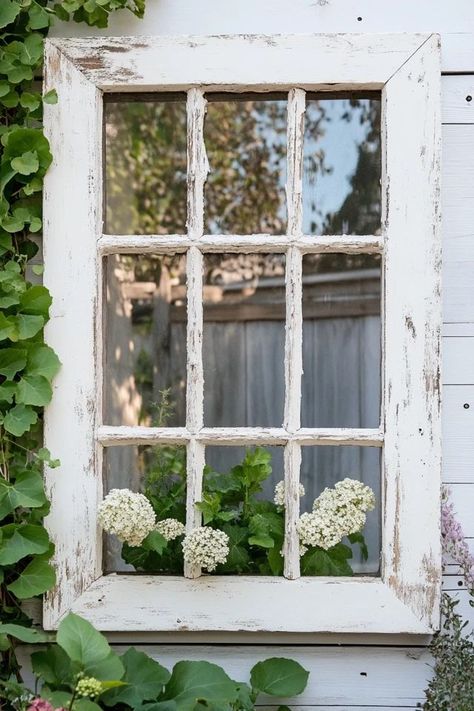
(39, 17)
(89, 648)
(154, 542)
(26, 164)
(27, 491)
(51, 97)
(279, 677)
(144, 677)
(36, 300)
(19, 420)
(57, 699)
(42, 360)
(12, 360)
(7, 327)
(37, 578)
(85, 705)
(28, 326)
(238, 557)
(191, 681)
(34, 390)
(331, 562)
(9, 10)
(7, 392)
(29, 635)
(31, 102)
(53, 666)
(21, 540)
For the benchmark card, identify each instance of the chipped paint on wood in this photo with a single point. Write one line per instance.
(412, 450)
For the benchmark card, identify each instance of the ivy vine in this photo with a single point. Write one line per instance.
(27, 364)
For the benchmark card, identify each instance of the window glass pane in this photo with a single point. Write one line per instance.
(342, 167)
(238, 498)
(145, 166)
(160, 474)
(145, 340)
(341, 341)
(323, 467)
(244, 340)
(245, 137)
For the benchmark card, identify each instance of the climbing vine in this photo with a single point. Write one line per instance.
(27, 364)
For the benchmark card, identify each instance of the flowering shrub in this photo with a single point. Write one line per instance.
(80, 672)
(242, 533)
(129, 516)
(452, 685)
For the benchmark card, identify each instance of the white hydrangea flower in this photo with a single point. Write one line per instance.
(128, 515)
(337, 513)
(279, 497)
(206, 547)
(170, 528)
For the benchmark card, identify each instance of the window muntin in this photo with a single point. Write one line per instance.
(407, 595)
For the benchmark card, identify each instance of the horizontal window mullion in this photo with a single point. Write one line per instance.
(307, 244)
(110, 436)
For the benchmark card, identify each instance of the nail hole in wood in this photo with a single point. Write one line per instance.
(363, 673)
(468, 98)
(459, 583)
(359, 19)
(466, 406)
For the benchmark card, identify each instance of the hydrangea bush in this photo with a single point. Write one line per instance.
(242, 533)
(78, 671)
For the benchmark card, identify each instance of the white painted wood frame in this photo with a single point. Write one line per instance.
(406, 70)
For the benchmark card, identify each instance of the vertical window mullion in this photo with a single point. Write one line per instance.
(197, 173)
(294, 328)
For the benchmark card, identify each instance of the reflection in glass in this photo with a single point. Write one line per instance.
(341, 341)
(159, 473)
(145, 340)
(244, 338)
(245, 137)
(323, 467)
(342, 167)
(145, 166)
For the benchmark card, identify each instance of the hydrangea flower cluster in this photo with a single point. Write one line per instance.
(279, 497)
(206, 547)
(128, 515)
(453, 541)
(88, 686)
(337, 512)
(170, 528)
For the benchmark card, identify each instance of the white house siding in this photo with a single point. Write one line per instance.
(363, 672)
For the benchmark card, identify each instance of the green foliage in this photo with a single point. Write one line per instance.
(82, 659)
(452, 685)
(27, 365)
(233, 503)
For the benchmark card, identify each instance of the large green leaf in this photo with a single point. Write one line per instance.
(42, 360)
(279, 677)
(34, 390)
(144, 677)
(53, 666)
(29, 635)
(21, 540)
(192, 681)
(89, 648)
(36, 579)
(331, 562)
(8, 12)
(19, 420)
(27, 491)
(27, 325)
(28, 163)
(12, 360)
(36, 300)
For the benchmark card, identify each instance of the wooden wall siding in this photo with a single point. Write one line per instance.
(348, 677)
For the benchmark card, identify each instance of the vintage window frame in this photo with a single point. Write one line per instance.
(406, 69)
